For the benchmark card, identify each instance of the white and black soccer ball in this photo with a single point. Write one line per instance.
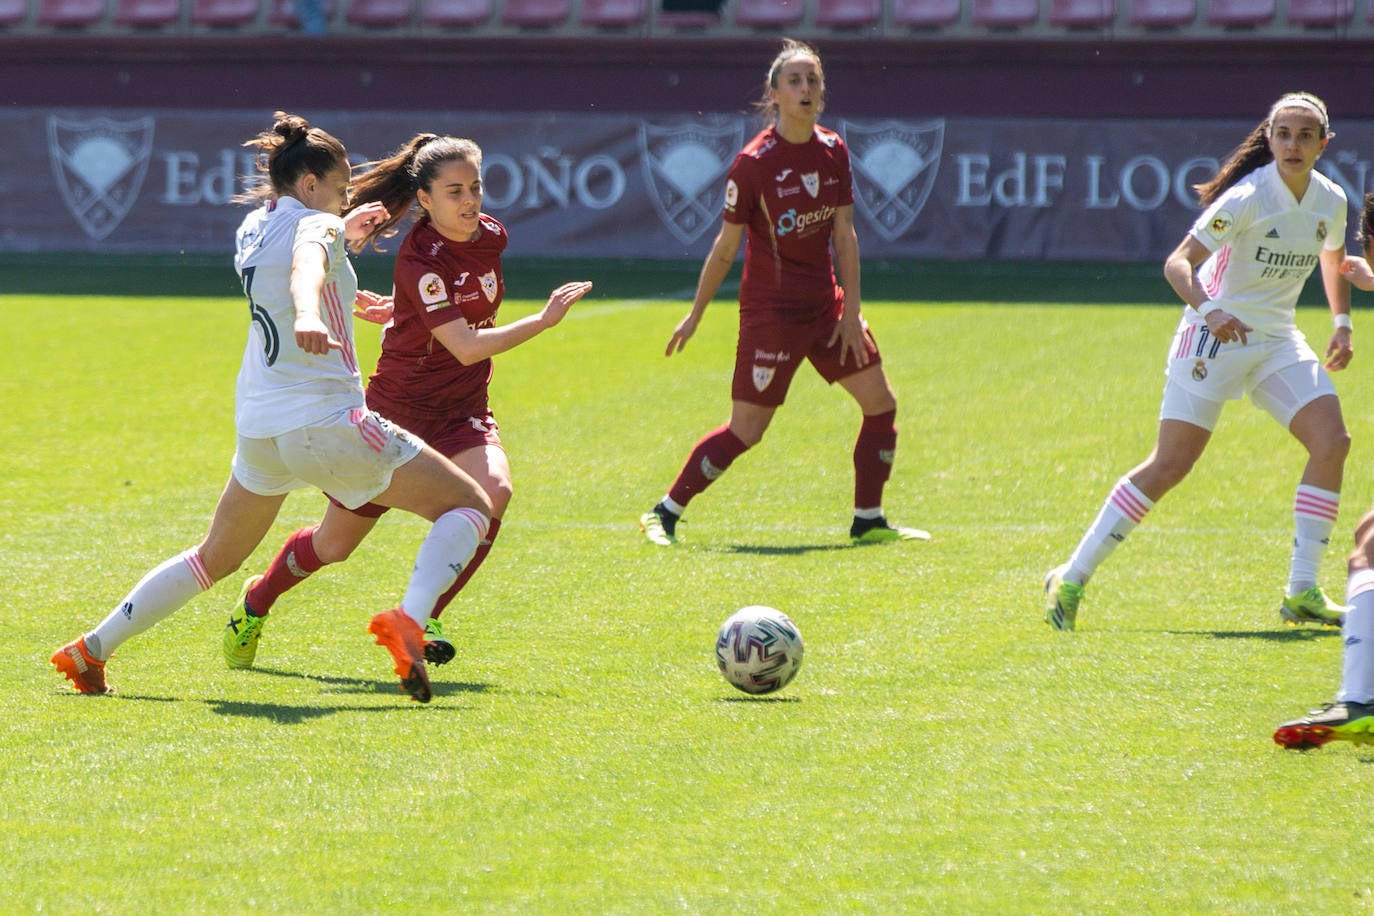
(759, 649)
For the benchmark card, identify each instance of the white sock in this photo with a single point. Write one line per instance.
(164, 589)
(1314, 518)
(1124, 509)
(667, 503)
(447, 548)
(1357, 667)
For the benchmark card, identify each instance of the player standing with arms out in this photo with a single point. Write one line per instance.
(435, 366)
(301, 416)
(1351, 717)
(1270, 218)
(790, 188)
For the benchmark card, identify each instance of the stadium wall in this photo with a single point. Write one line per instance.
(968, 149)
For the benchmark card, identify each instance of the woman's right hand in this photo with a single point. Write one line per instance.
(1226, 327)
(682, 333)
(1357, 271)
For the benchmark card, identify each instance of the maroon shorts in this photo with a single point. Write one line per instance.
(772, 346)
(446, 437)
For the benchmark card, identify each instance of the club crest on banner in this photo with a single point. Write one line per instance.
(99, 166)
(895, 164)
(684, 168)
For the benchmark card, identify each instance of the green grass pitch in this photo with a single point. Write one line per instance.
(940, 751)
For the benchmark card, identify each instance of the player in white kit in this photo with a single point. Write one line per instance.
(301, 417)
(1351, 716)
(1269, 219)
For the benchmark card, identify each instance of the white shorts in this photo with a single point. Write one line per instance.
(350, 456)
(1280, 375)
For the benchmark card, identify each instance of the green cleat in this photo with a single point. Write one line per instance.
(1061, 600)
(1353, 722)
(880, 531)
(242, 632)
(1312, 606)
(438, 651)
(659, 526)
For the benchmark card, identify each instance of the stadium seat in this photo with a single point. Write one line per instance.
(924, 14)
(147, 14)
(282, 13)
(768, 14)
(455, 14)
(848, 14)
(1240, 14)
(379, 14)
(63, 14)
(1319, 13)
(218, 14)
(1004, 14)
(13, 13)
(613, 14)
(1082, 14)
(535, 14)
(1161, 14)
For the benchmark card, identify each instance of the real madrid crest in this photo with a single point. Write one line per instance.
(1199, 370)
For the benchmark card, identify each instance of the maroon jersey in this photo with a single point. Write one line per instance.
(787, 194)
(437, 281)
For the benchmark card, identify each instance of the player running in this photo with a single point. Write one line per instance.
(435, 365)
(1270, 218)
(1351, 717)
(301, 417)
(791, 189)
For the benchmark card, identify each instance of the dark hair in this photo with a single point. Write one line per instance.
(289, 150)
(1365, 233)
(1254, 150)
(396, 179)
(791, 49)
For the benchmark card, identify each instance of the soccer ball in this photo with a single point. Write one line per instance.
(759, 649)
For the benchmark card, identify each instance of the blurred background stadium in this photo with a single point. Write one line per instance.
(982, 131)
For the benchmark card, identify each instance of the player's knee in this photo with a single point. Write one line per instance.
(500, 493)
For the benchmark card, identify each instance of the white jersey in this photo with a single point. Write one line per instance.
(280, 387)
(1264, 245)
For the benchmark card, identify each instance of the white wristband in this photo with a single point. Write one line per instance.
(1208, 308)
(1342, 320)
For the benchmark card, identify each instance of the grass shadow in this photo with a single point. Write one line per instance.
(756, 699)
(370, 685)
(1287, 635)
(769, 550)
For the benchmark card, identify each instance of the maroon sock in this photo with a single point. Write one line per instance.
(708, 460)
(483, 549)
(873, 454)
(293, 563)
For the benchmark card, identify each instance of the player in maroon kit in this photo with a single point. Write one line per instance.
(791, 189)
(435, 362)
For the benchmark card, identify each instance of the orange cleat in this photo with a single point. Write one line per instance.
(405, 640)
(86, 673)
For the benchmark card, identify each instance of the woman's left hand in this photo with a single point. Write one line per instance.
(1339, 351)
(849, 331)
(358, 223)
(370, 306)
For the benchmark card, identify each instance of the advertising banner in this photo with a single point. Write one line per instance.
(617, 185)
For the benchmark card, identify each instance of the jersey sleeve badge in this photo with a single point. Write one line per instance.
(1220, 224)
(432, 292)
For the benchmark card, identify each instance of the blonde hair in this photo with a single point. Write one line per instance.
(791, 50)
